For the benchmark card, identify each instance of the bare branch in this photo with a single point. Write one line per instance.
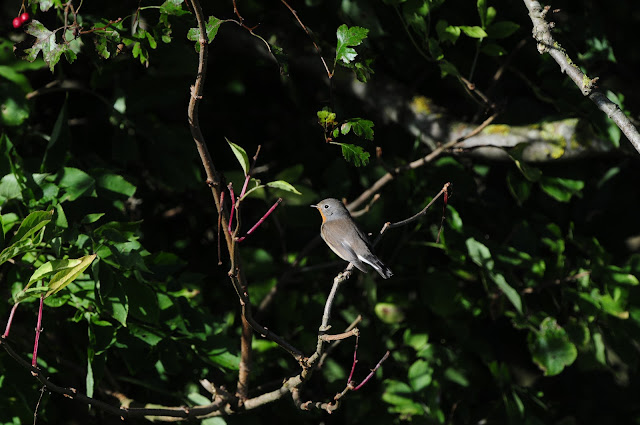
(382, 181)
(293, 12)
(546, 44)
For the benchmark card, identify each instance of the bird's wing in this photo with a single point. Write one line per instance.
(346, 243)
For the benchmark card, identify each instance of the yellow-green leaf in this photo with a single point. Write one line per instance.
(66, 276)
(241, 155)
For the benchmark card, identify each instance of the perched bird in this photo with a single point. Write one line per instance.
(344, 237)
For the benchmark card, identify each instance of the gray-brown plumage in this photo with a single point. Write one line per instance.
(345, 238)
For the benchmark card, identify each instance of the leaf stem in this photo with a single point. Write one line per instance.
(34, 359)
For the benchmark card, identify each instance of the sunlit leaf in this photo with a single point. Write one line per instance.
(347, 39)
(68, 275)
(241, 156)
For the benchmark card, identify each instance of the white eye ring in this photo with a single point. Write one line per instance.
(326, 205)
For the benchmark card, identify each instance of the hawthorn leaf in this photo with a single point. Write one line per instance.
(347, 39)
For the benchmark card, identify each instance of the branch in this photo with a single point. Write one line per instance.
(546, 44)
(382, 181)
(389, 225)
(125, 413)
(213, 180)
(329, 73)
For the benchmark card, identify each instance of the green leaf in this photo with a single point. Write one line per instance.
(447, 68)
(389, 313)
(211, 26)
(29, 293)
(151, 336)
(283, 185)
(457, 376)
(223, 358)
(15, 250)
(173, 7)
(354, 153)
(502, 29)
(420, 375)
(76, 183)
(51, 267)
(326, 118)
(64, 277)
(446, 32)
(91, 218)
(347, 39)
(15, 77)
(520, 188)
(45, 42)
(14, 110)
(398, 394)
(512, 294)
(89, 382)
(473, 32)
(599, 348)
(115, 184)
(241, 156)
(551, 348)
(482, 11)
(561, 189)
(491, 15)
(479, 254)
(360, 127)
(31, 224)
(530, 173)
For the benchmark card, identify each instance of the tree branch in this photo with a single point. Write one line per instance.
(546, 44)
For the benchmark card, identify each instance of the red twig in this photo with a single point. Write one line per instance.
(248, 177)
(101, 28)
(244, 186)
(446, 195)
(34, 359)
(372, 371)
(220, 225)
(233, 204)
(355, 360)
(255, 226)
(8, 328)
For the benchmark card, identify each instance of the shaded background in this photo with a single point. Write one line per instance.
(461, 352)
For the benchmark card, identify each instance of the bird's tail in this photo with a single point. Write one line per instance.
(378, 266)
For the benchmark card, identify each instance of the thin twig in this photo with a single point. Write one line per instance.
(329, 73)
(333, 346)
(34, 358)
(233, 205)
(355, 360)
(382, 181)
(365, 380)
(219, 227)
(8, 328)
(125, 413)
(248, 176)
(367, 208)
(413, 218)
(255, 226)
(341, 336)
(35, 411)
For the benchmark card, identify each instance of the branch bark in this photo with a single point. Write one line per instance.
(546, 44)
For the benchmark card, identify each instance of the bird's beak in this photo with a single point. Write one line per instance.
(314, 206)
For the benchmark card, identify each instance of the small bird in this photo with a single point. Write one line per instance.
(344, 237)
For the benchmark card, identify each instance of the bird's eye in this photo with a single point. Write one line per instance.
(326, 206)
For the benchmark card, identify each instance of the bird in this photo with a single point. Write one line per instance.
(345, 238)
